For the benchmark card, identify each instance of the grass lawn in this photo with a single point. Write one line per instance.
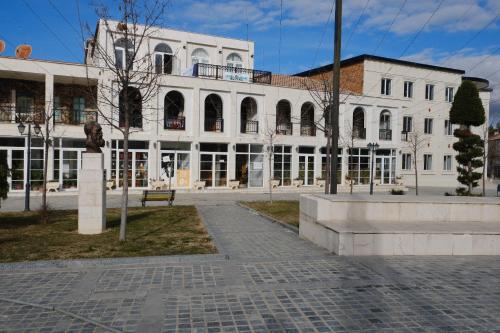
(151, 231)
(285, 211)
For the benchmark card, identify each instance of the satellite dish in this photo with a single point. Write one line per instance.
(23, 51)
(2, 46)
(121, 26)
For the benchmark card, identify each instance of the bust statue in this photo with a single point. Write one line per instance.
(94, 140)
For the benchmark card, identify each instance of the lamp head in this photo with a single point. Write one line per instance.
(21, 127)
(37, 129)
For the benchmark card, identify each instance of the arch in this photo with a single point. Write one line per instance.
(163, 48)
(173, 110)
(234, 60)
(307, 126)
(213, 113)
(134, 102)
(358, 123)
(248, 115)
(284, 117)
(124, 43)
(199, 55)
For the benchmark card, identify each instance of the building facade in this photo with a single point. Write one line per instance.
(213, 115)
(494, 156)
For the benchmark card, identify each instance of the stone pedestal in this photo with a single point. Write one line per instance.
(92, 195)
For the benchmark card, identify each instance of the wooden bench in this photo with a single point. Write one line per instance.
(158, 195)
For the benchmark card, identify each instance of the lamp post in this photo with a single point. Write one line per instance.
(372, 147)
(21, 127)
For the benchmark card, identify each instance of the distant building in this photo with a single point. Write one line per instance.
(494, 156)
(213, 110)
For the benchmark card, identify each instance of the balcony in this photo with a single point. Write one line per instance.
(250, 127)
(385, 134)
(307, 130)
(178, 123)
(359, 133)
(10, 113)
(284, 128)
(68, 116)
(214, 125)
(227, 73)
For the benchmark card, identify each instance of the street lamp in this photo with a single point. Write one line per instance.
(21, 127)
(372, 147)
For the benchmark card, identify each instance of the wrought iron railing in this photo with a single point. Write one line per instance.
(284, 128)
(359, 133)
(307, 130)
(35, 114)
(385, 134)
(232, 73)
(250, 126)
(214, 125)
(178, 123)
(7, 111)
(69, 116)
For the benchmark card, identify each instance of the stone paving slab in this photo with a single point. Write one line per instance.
(265, 279)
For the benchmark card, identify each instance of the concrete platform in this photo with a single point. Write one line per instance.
(394, 225)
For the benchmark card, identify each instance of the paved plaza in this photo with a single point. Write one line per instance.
(264, 279)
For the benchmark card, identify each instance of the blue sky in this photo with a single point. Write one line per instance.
(454, 33)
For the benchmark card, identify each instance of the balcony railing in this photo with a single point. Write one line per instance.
(7, 112)
(405, 136)
(69, 116)
(34, 114)
(284, 128)
(214, 125)
(250, 126)
(231, 73)
(359, 133)
(307, 130)
(385, 134)
(178, 123)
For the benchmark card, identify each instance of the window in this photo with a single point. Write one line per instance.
(307, 126)
(447, 163)
(234, 60)
(134, 110)
(448, 127)
(407, 124)
(199, 56)
(428, 126)
(214, 121)
(385, 132)
(449, 94)
(173, 112)
(248, 116)
(282, 166)
(163, 59)
(284, 118)
(385, 87)
(429, 92)
(358, 123)
(406, 161)
(124, 53)
(408, 89)
(427, 162)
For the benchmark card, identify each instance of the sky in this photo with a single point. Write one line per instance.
(462, 34)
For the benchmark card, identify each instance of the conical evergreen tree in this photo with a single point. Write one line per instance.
(467, 110)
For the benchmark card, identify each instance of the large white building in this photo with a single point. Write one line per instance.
(214, 120)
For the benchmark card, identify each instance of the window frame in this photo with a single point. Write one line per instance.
(449, 94)
(407, 120)
(386, 86)
(448, 127)
(427, 159)
(232, 63)
(406, 161)
(408, 89)
(447, 158)
(428, 125)
(429, 91)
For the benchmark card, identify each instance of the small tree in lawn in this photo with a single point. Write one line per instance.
(466, 111)
(270, 138)
(4, 173)
(415, 141)
(348, 140)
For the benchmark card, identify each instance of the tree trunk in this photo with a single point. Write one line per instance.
(124, 204)
(270, 176)
(328, 160)
(416, 171)
(45, 161)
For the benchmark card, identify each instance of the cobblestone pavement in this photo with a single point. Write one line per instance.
(264, 279)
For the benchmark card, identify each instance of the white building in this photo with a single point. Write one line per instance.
(213, 121)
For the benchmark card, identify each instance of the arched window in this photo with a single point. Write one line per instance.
(199, 56)
(124, 53)
(248, 116)
(283, 118)
(307, 126)
(234, 60)
(163, 59)
(358, 123)
(385, 132)
(213, 114)
(132, 107)
(174, 111)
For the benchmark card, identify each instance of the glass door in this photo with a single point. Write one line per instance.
(180, 168)
(220, 174)
(383, 169)
(213, 169)
(70, 167)
(306, 169)
(137, 168)
(206, 169)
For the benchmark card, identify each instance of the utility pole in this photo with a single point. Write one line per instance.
(334, 113)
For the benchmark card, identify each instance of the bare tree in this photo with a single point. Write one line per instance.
(270, 138)
(415, 141)
(46, 136)
(131, 71)
(348, 140)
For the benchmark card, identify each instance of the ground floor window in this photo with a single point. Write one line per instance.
(68, 161)
(36, 169)
(14, 149)
(177, 155)
(359, 166)
(137, 163)
(282, 167)
(213, 164)
(324, 172)
(250, 165)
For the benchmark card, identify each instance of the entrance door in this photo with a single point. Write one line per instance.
(180, 168)
(306, 169)
(138, 168)
(213, 169)
(383, 169)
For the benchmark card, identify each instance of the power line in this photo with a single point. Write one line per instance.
(357, 23)
(64, 17)
(279, 46)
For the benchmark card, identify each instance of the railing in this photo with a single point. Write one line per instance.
(359, 133)
(214, 125)
(404, 135)
(385, 134)
(74, 117)
(284, 128)
(178, 123)
(250, 126)
(232, 73)
(35, 114)
(6, 112)
(307, 130)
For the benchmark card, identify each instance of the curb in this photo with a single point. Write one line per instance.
(270, 218)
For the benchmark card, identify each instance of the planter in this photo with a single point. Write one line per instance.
(199, 185)
(275, 183)
(234, 184)
(53, 186)
(297, 182)
(158, 184)
(321, 182)
(110, 184)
